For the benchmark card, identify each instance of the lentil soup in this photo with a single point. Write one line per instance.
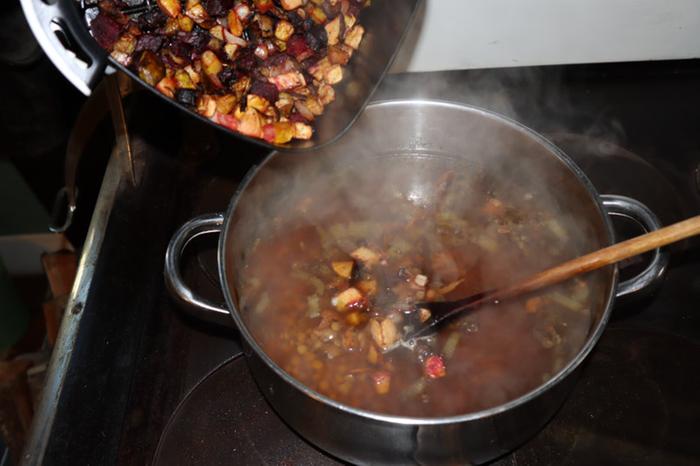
(327, 295)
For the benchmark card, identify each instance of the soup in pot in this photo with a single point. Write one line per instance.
(328, 296)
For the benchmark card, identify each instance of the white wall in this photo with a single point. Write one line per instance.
(462, 34)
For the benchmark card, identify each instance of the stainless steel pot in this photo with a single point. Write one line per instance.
(417, 136)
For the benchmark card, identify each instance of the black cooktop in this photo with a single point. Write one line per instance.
(150, 385)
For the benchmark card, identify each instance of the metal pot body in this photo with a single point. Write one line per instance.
(420, 139)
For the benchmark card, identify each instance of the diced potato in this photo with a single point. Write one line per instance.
(194, 75)
(197, 13)
(167, 86)
(354, 36)
(241, 86)
(347, 299)
(289, 80)
(283, 30)
(284, 103)
(172, 26)
(186, 24)
(258, 103)
(292, 4)
(206, 105)
(284, 132)
(343, 268)
(334, 74)
(382, 382)
(170, 7)
(356, 318)
(338, 55)
(365, 255)
(368, 287)
(420, 280)
(319, 70)
(126, 44)
(318, 15)
(251, 123)
(230, 50)
(350, 21)
(217, 31)
(326, 94)
(150, 67)
(314, 106)
(183, 80)
(383, 333)
(372, 355)
(333, 30)
(302, 131)
(211, 63)
(225, 103)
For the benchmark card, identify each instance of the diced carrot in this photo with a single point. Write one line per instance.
(434, 367)
(343, 268)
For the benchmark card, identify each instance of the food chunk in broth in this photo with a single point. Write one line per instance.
(327, 297)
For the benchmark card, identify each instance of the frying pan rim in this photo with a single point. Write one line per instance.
(562, 374)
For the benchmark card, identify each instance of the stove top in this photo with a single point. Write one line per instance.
(147, 384)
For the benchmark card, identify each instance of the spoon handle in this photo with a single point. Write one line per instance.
(602, 257)
(587, 263)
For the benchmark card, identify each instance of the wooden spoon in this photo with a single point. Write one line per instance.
(442, 311)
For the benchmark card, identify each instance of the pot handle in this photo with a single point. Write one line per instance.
(60, 31)
(631, 208)
(199, 307)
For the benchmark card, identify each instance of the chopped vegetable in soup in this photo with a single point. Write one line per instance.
(327, 301)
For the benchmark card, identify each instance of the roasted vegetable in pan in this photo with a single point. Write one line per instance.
(262, 68)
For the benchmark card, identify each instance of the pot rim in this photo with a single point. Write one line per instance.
(563, 373)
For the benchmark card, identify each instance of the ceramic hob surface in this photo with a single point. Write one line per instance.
(169, 390)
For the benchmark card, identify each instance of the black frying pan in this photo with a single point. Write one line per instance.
(60, 27)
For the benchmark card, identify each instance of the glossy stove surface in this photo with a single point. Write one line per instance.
(169, 390)
(636, 401)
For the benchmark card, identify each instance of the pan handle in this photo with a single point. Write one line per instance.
(195, 305)
(60, 31)
(627, 207)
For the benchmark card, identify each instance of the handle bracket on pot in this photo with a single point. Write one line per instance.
(630, 208)
(60, 31)
(200, 307)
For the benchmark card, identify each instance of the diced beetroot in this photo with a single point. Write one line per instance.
(216, 7)
(105, 30)
(316, 38)
(297, 118)
(297, 47)
(149, 42)
(245, 61)
(266, 90)
(152, 20)
(198, 39)
(434, 367)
